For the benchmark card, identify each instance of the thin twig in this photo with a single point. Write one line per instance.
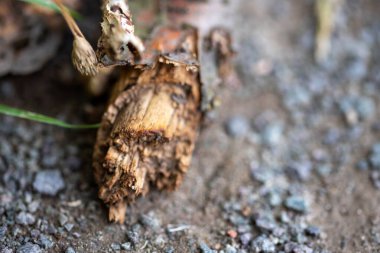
(69, 19)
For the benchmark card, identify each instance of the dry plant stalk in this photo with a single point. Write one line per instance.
(325, 11)
(83, 56)
(149, 129)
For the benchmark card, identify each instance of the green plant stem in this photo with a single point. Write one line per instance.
(11, 111)
(53, 6)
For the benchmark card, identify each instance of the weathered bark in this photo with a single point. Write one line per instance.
(150, 127)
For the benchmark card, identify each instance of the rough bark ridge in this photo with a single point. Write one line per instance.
(150, 126)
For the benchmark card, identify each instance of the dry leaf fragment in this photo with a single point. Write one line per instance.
(118, 43)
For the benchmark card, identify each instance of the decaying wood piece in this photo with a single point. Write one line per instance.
(151, 123)
(149, 129)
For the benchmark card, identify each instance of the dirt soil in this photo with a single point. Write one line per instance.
(289, 163)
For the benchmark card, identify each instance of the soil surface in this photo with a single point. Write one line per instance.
(290, 163)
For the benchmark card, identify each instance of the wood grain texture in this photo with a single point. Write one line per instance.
(149, 129)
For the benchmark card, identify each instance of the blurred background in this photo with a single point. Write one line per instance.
(290, 162)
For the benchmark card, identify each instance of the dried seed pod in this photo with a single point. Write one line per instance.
(83, 55)
(149, 129)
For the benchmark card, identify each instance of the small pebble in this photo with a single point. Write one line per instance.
(69, 226)
(245, 238)
(237, 126)
(48, 182)
(292, 247)
(230, 249)
(272, 134)
(324, 170)
(62, 219)
(296, 203)
(24, 218)
(29, 248)
(126, 246)
(313, 231)
(33, 206)
(263, 244)
(300, 170)
(205, 248)
(375, 177)
(6, 250)
(70, 250)
(150, 220)
(115, 246)
(265, 223)
(3, 230)
(46, 242)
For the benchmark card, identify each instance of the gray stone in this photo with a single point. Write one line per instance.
(150, 220)
(300, 170)
(374, 157)
(24, 218)
(6, 250)
(48, 182)
(313, 231)
(272, 134)
(263, 244)
(296, 203)
(126, 246)
(245, 238)
(170, 249)
(33, 206)
(70, 250)
(324, 170)
(292, 247)
(35, 233)
(265, 223)
(29, 248)
(46, 242)
(62, 219)
(237, 126)
(69, 226)
(365, 107)
(205, 248)
(274, 198)
(115, 246)
(160, 241)
(375, 177)
(3, 231)
(230, 249)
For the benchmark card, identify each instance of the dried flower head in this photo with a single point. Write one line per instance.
(84, 57)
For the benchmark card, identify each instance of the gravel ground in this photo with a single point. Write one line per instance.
(290, 164)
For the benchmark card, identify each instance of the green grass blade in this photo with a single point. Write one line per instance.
(11, 111)
(53, 6)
